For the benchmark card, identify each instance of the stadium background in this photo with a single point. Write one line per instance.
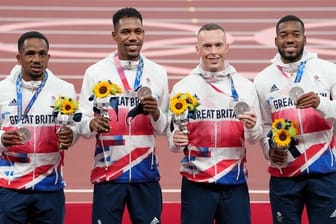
(79, 32)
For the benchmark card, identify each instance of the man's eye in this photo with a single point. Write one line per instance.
(124, 32)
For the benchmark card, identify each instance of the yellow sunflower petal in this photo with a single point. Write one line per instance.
(102, 89)
(278, 123)
(282, 138)
(68, 107)
(191, 99)
(65, 105)
(178, 106)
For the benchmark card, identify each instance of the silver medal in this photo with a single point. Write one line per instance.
(295, 93)
(241, 107)
(144, 91)
(25, 134)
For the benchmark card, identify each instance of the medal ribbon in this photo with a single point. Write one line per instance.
(299, 72)
(123, 76)
(234, 93)
(32, 100)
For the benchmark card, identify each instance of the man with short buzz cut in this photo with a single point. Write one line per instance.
(126, 171)
(31, 163)
(300, 88)
(214, 175)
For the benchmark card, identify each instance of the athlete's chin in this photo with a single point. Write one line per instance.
(291, 58)
(133, 55)
(36, 76)
(214, 67)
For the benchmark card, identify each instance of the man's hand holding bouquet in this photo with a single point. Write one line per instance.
(183, 107)
(282, 138)
(104, 96)
(65, 114)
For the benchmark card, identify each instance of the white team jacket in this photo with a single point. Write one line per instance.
(38, 163)
(216, 152)
(127, 153)
(315, 127)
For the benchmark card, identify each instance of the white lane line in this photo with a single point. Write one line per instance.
(163, 190)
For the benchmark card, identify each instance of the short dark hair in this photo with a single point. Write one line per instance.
(125, 12)
(29, 35)
(210, 26)
(289, 18)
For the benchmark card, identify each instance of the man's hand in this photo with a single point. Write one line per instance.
(150, 106)
(278, 155)
(249, 119)
(180, 139)
(307, 100)
(10, 138)
(65, 137)
(100, 124)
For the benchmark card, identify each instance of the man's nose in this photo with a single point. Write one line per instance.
(36, 58)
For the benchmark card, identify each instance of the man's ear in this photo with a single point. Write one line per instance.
(114, 35)
(227, 46)
(18, 58)
(197, 49)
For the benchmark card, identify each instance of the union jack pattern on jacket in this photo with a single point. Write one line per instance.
(38, 163)
(315, 140)
(127, 153)
(216, 152)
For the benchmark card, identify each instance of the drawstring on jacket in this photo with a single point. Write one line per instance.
(104, 153)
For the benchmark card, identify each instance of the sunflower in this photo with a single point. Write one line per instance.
(102, 89)
(178, 95)
(65, 105)
(106, 88)
(178, 105)
(278, 124)
(282, 138)
(283, 131)
(191, 100)
(183, 101)
(69, 106)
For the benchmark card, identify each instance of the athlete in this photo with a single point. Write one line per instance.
(299, 87)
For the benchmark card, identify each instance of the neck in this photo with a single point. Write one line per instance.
(213, 70)
(128, 58)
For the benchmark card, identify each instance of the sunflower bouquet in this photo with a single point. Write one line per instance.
(283, 132)
(64, 109)
(104, 93)
(105, 89)
(65, 112)
(183, 107)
